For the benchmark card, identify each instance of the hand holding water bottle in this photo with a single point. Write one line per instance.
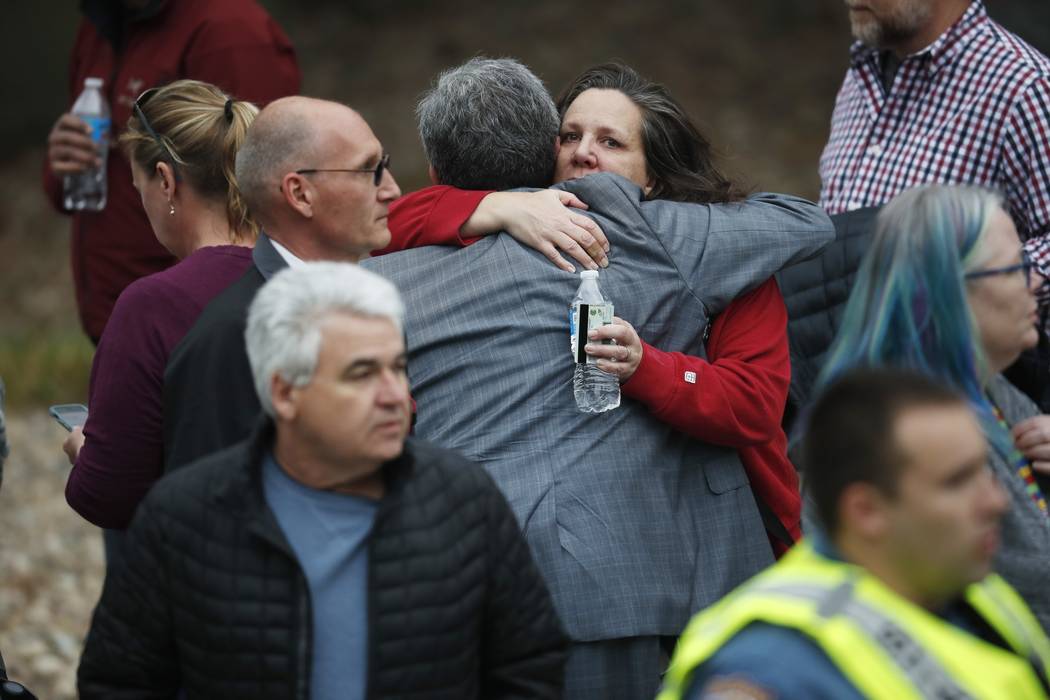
(621, 359)
(70, 148)
(84, 173)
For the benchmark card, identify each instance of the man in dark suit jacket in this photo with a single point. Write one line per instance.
(315, 177)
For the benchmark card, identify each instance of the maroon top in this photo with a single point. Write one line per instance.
(123, 451)
(233, 44)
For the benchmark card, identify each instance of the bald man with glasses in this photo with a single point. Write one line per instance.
(318, 181)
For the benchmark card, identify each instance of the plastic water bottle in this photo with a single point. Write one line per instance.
(596, 391)
(86, 190)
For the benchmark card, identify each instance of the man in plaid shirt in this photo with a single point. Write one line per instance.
(939, 92)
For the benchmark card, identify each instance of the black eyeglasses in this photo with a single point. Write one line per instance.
(137, 108)
(384, 165)
(1026, 264)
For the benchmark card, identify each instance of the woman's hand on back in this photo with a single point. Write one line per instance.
(544, 220)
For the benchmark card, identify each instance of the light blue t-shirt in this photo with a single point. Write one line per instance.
(329, 534)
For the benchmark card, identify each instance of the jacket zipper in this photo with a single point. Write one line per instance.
(303, 684)
(370, 608)
(303, 638)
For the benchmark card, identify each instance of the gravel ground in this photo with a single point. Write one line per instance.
(51, 562)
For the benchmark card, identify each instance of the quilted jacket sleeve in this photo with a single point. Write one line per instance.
(130, 652)
(525, 648)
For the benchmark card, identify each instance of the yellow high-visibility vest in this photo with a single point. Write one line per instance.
(886, 646)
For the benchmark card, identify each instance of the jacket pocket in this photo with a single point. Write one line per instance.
(725, 473)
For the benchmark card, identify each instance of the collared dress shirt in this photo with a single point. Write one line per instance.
(973, 107)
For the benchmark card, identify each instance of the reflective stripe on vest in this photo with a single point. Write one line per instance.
(924, 671)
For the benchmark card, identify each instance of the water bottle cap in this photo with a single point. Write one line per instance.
(93, 82)
(589, 274)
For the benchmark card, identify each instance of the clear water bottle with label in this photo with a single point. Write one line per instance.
(596, 391)
(86, 190)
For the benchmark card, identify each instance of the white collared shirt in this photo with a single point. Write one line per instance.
(289, 256)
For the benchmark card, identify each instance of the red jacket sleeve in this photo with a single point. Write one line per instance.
(737, 398)
(431, 216)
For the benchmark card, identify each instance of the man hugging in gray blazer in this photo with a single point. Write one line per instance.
(635, 526)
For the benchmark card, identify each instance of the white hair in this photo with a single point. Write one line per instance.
(284, 321)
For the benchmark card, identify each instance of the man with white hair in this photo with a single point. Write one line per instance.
(328, 556)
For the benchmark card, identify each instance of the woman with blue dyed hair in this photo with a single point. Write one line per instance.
(947, 290)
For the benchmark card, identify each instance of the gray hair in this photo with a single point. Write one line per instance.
(489, 124)
(278, 141)
(284, 321)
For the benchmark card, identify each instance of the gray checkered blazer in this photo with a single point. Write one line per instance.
(634, 525)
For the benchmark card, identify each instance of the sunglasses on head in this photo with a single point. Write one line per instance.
(137, 109)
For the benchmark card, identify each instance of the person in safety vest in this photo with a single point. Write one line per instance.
(894, 599)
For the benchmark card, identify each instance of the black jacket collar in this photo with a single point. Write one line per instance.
(266, 258)
(242, 491)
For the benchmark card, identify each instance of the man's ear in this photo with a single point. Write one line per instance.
(299, 194)
(284, 396)
(433, 175)
(865, 511)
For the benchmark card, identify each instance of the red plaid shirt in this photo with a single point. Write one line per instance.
(973, 107)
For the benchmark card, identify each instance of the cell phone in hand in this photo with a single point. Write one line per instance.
(69, 415)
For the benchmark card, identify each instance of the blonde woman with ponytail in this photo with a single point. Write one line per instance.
(181, 140)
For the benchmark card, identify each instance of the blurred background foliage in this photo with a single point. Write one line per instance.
(759, 75)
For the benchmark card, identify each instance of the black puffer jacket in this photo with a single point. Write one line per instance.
(213, 601)
(815, 293)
